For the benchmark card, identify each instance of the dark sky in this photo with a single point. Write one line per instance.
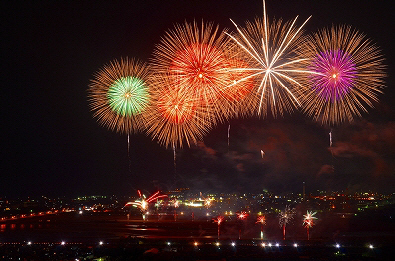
(51, 145)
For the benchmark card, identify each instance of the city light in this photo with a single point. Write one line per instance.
(295, 245)
(63, 243)
(337, 246)
(233, 244)
(371, 246)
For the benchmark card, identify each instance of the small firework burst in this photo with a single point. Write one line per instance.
(285, 217)
(308, 219)
(308, 222)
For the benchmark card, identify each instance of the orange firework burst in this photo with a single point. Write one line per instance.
(175, 117)
(273, 63)
(348, 75)
(197, 63)
(119, 95)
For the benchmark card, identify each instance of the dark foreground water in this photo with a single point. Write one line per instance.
(162, 238)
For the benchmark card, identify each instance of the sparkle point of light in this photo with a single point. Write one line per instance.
(337, 246)
(371, 246)
(101, 243)
(63, 243)
(217, 243)
(200, 75)
(168, 243)
(263, 244)
(196, 243)
(270, 244)
(233, 244)
(295, 245)
(277, 244)
(29, 243)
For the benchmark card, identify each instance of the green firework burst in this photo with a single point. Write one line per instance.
(128, 96)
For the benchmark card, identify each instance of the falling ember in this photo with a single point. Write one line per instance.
(228, 135)
(262, 153)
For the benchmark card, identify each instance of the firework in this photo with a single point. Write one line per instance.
(285, 217)
(119, 95)
(155, 196)
(143, 203)
(175, 118)
(273, 63)
(207, 203)
(348, 75)
(241, 216)
(308, 221)
(176, 205)
(261, 220)
(219, 220)
(197, 61)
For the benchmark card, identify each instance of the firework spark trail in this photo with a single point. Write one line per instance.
(349, 75)
(261, 220)
(285, 217)
(268, 48)
(228, 136)
(143, 203)
(175, 164)
(219, 220)
(308, 221)
(129, 159)
(241, 216)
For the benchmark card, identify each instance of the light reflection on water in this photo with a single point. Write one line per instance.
(21, 226)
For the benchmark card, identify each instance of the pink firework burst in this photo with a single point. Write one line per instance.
(335, 76)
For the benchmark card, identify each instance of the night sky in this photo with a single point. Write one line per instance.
(51, 145)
